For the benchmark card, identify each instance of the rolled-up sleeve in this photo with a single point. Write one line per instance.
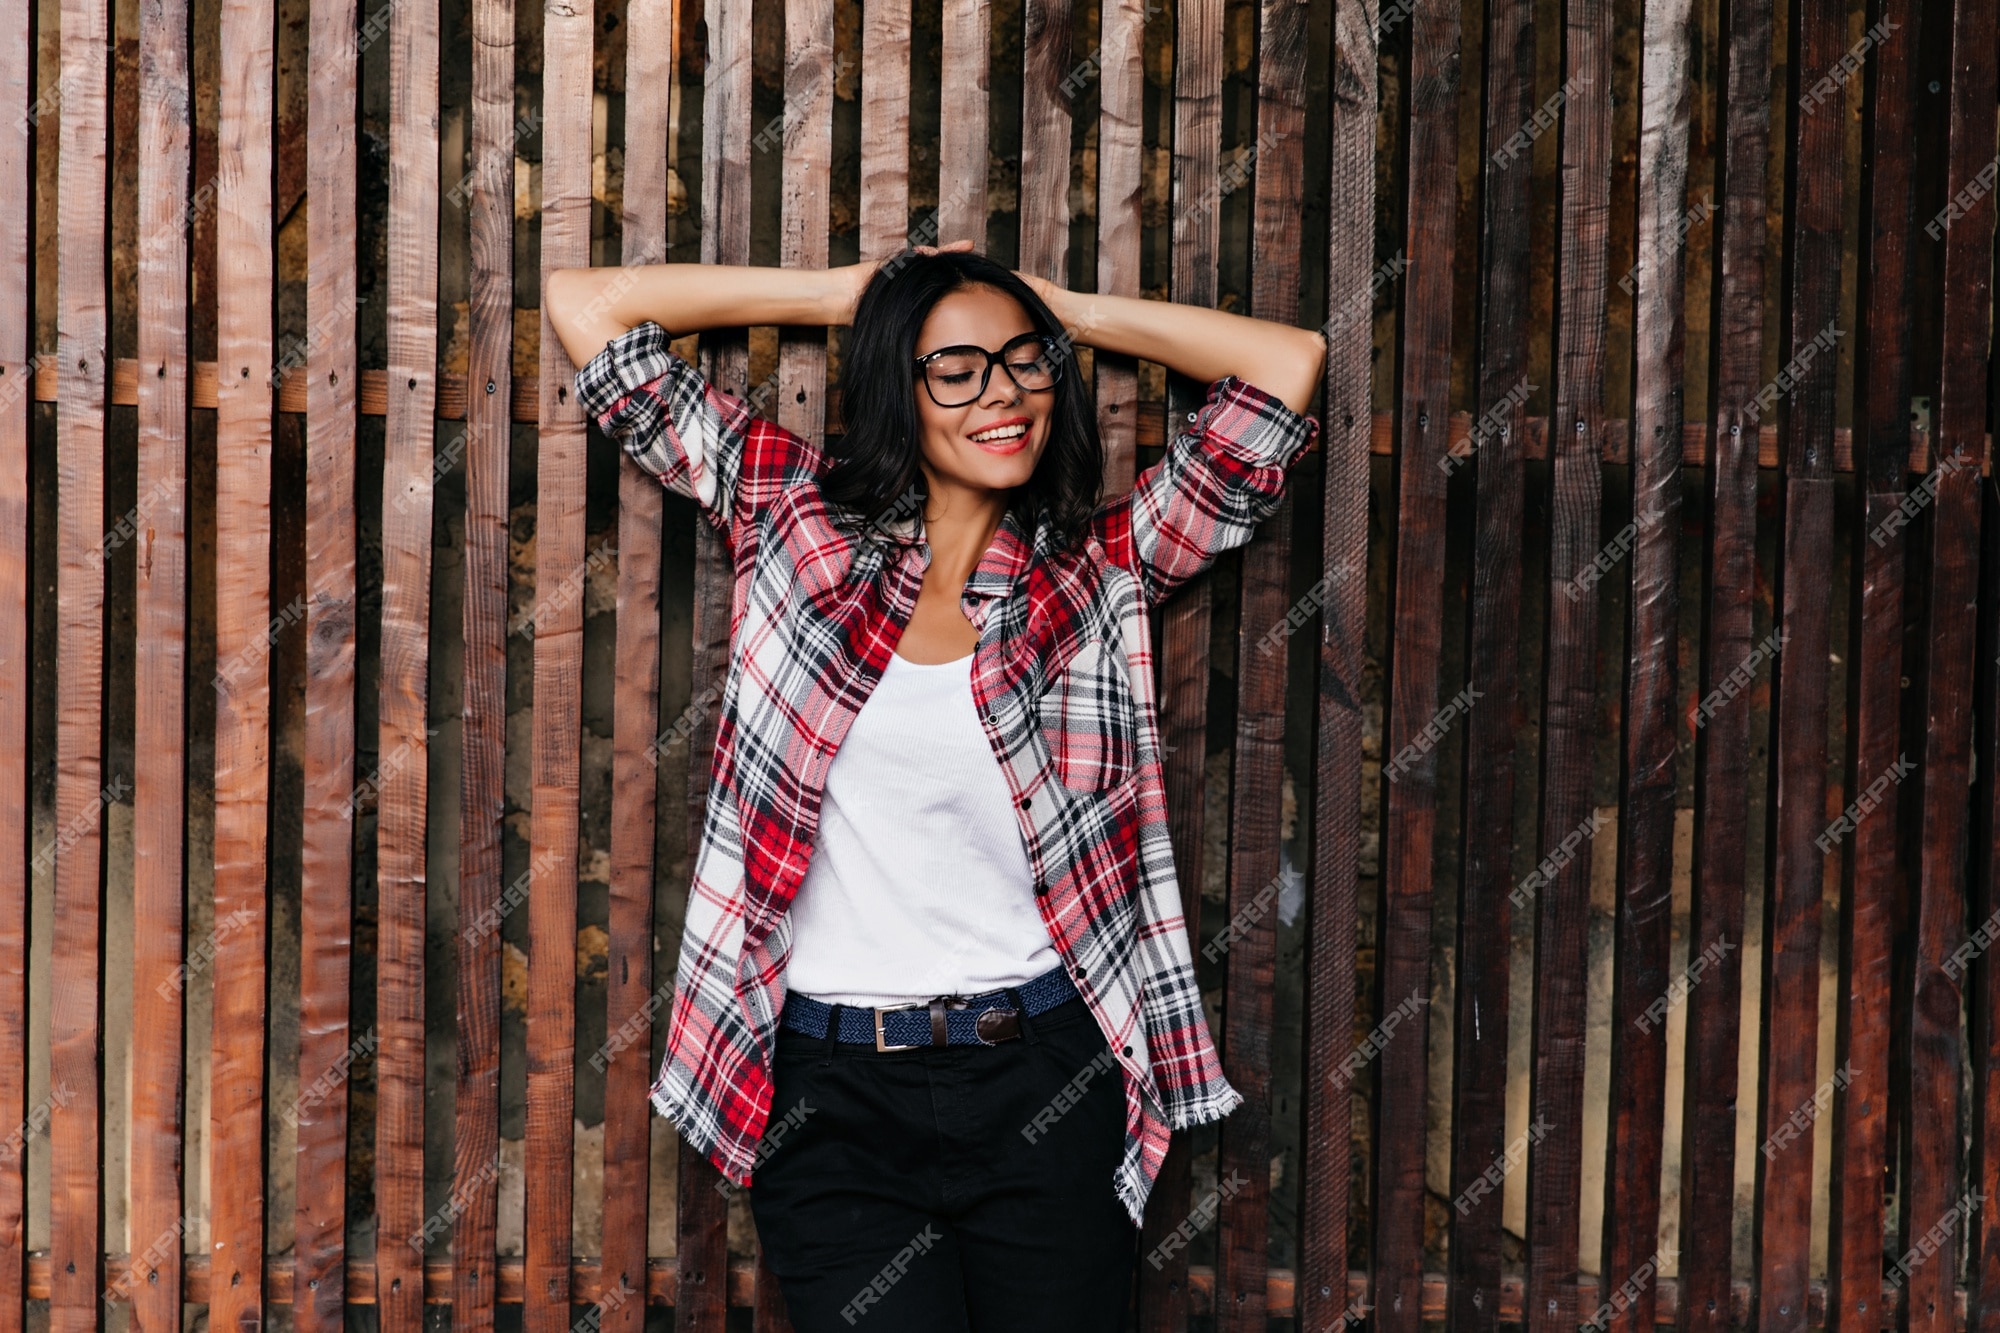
(1223, 474)
(700, 441)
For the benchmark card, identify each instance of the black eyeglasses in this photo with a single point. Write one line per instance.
(949, 372)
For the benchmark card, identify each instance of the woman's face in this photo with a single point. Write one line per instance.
(994, 441)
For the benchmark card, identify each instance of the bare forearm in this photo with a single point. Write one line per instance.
(590, 306)
(1200, 343)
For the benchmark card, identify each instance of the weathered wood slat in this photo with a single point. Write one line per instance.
(1935, 1203)
(1793, 859)
(701, 1214)
(245, 627)
(483, 692)
(1409, 767)
(17, 94)
(1983, 997)
(1722, 718)
(1121, 124)
(1644, 913)
(1875, 650)
(160, 661)
(1479, 1079)
(885, 130)
(1255, 838)
(402, 779)
(557, 625)
(1568, 817)
(1184, 631)
(651, 67)
(962, 124)
(1051, 84)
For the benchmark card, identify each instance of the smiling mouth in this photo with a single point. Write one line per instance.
(1005, 438)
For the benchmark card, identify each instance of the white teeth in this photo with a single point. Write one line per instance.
(1003, 433)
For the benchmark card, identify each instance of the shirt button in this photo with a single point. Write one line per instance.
(1023, 801)
(1081, 974)
(1190, 416)
(1128, 1051)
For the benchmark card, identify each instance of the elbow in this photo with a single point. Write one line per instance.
(1301, 382)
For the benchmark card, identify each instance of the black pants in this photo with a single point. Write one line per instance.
(906, 1198)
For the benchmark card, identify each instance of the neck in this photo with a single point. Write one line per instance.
(959, 523)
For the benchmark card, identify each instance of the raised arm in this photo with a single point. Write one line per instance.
(1205, 345)
(590, 306)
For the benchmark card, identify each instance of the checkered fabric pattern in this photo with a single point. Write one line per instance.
(1063, 677)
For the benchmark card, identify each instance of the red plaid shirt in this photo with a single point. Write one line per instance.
(1063, 677)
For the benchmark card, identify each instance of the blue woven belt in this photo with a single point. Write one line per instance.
(912, 1025)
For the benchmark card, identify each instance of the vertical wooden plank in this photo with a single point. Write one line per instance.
(650, 72)
(245, 624)
(82, 380)
(885, 129)
(1050, 83)
(1936, 1206)
(1984, 998)
(1184, 633)
(701, 1215)
(1409, 820)
(1722, 713)
(160, 663)
(482, 796)
(1797, 814)
(558, 628)
(1277, 206)
(1569, 730)
(17, 404)
(962, 122)
(405, 673)
(1121, 129)
(1875, 648)
(1644, 929)
(1479, 1083)
(319, 1276)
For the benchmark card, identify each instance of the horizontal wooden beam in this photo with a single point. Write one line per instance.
(524, 407)
(587, 1281)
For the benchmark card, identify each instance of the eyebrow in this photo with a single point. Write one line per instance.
(1031, 333)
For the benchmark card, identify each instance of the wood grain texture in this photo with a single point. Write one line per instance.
(701, 1214)
(160, 660)
(75, 1038)
(1935, 1200)
(1121, 128)
(1796, 813)
(1874, 687)
(885, 130)
(402, 779)
(1644, 915)
(246, 625)
(1327, 1143)
(1256, 797)
(651, 68)
(1052, 82)
(1569, 730)
(558, 653)
(17, 94)
(1984, 868)
(1485, 913)
(1409, 770)
(963, 114)
(1722, 720)
(1185, 619)
(483, 692)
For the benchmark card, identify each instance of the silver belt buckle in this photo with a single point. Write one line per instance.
(881, 1043)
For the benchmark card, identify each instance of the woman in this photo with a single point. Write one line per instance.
(934, 987)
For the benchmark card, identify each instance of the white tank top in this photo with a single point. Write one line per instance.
(919, 883)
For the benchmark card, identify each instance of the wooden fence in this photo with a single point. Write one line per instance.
(1666, 617)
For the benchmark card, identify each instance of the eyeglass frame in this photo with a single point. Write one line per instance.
(992, 359)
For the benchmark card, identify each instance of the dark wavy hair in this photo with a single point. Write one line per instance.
(876, 461)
